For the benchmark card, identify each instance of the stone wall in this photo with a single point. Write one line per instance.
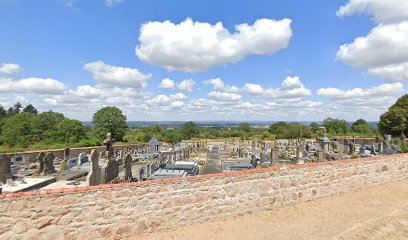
(31, 155)
(131, 208)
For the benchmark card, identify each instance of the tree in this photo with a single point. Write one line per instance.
(244, 127)
(17, 130)
(173, 137)
(110, 119)
(69, 131)
(335, 126)
(395, 120)
(30, 109)
(3, 112)
(44, 125)
(189, 130)
(360, 126)
(278, 129)
(314, 127)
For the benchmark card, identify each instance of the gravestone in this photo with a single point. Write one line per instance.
(40, 163)
(82, 158)
(361, 150)
(110, 171)
(67, 153)
(5, 168)
(93, 176)
(48, 164)
(128, 167)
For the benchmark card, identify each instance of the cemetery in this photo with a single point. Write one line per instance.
(158, 160)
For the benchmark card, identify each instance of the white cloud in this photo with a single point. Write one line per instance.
(383, 51)
(10, 68)
(110, 3)
(172, 101)
(195, 46)
(384, 45)
(167, 84)
(219, 85)
(393, 72)
(388, 89)
(113, 75)
(186, 85)
(32, 85)
(292, 87)
(383, 11)
(225, 96)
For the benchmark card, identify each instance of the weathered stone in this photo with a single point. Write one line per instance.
(5, 168)
(93, 176)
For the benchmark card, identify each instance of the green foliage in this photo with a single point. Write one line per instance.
(335, 126)
(64, 165)
(30, 109)
(110, 119)
(27, 128)
(360, 126)
(17, 130)
(70, 131)
(284, 130)
(404, 148)
(189, 130)
(395, 120)
(244, 127)
(173, 137)
(314, 127)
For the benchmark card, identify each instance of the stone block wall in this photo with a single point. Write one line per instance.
(120, 210)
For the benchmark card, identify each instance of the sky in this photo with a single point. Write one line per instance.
(178, 60)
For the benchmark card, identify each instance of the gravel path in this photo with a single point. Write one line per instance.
(379, 212)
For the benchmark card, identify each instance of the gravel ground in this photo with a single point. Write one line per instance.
(379, 212)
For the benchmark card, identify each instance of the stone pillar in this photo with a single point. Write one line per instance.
(93, 176)
(5, 170)
(128, 167)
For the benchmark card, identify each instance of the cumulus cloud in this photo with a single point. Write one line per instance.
(225, 96)
(113, 75)
(196, 46)
(292, 87)
(383, 11)
(219, 85)
(393, 72)
(388, 89)
(186, 85)
(172, 101)
(10, 68)
(32, 85)
(384, 45)
(383, 51)
(167, 84)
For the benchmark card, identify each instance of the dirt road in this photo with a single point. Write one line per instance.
(374, 213)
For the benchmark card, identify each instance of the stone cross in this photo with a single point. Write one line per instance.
(108, 142)
(128, 167)
(93, 176)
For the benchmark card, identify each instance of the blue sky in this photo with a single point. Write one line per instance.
(78, 56)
